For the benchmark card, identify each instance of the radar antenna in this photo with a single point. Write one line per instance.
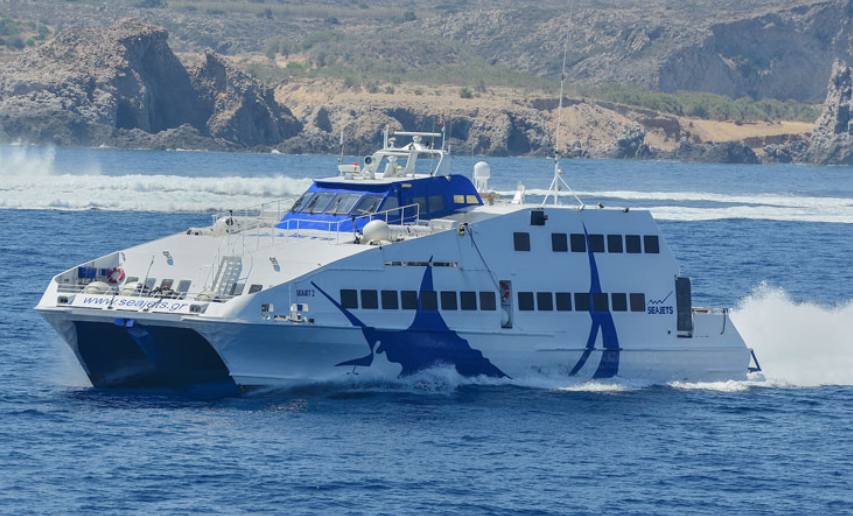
(558, 180)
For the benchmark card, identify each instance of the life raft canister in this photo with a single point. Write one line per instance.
(116, 275)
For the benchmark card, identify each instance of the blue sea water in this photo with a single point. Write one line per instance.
(776, 243)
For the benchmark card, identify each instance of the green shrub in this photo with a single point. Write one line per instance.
(465, 93)
(389, 89)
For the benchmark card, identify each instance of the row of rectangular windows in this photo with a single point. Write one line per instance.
(561, 242)
(408, 300)
(601, 302)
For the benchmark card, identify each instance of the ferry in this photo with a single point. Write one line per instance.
(391, 267)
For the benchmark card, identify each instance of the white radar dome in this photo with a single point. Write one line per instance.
(376, 231)
(482, 170)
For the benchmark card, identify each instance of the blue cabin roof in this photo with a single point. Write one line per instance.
(336, 203)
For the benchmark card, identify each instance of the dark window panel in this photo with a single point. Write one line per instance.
(638, 302)
(599, 302)
(614, 243)
(429, 300)
(545, 301)
(651, 243)
(468, 300)
(389, 300)
(369, 300)
(596, 243)
(349, 298)
(521, 241)
(632, 244)
(619, 302)
(578, 243)
(488, 301)
(564, 301)
(448, 300)
(525, 301)
(582, 301)
(409, 300)
(559, 242)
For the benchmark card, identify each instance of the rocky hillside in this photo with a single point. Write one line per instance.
(832, 137)
(123, 86)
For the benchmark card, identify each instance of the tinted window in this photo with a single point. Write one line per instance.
(349, 298)
(545, 301)
(525, 301)
(369, 299)
(487, 301)
(638, 302)
(619, 302)
(614, 243)
(436, 203)
(255, 289)
(599, 302)
(559, 242)
(300, 203)
(429, 300)
(409, 300)
(318, 203)
(632, 244)
(521, 241)
(391, 204)
(448, 300)
(578, 243)
(184, 285)
(422, 202)
(596, 243)
(389, 300)
(651, 244)
(468, 300)
(564, 301)
(582, 301)
(342, 204)
(367, 204)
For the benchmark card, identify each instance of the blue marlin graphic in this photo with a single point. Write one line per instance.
(428, 342)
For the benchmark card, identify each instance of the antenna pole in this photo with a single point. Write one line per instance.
(341, 159)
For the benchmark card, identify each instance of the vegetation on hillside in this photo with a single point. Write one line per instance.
(17, 35)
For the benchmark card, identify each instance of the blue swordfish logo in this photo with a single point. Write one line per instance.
(601, 321)
(427, 342)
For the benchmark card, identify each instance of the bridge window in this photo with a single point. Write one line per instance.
(459, 199)
(184, 286)
(559, 243)
(545, 301)
(599, 302)
(300, 203)
(254, 289)
(596, 243)
(525, 301)
(429, 300)
(564, 301)
(638, 302)
(448, 300)
(578, 243)
(487, 301)
(652, 244)
(409, 299)
(619, 302)
(468, 300)
(389, 300)
(367, 204)
(614, 243)
(472, 199)
(342, 204)
(521, 241)
(632, 244)
(391, 203)
(318, 203)
(436, 203)
(349, 298)
(581, 301)
(369, 300)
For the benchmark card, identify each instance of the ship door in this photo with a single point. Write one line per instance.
(684, 307)
(505, 291)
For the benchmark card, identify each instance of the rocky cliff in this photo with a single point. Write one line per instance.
(123, 86)
(832, 136)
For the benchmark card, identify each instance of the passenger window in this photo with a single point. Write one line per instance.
(578, 243)
(525, 301)
(254, 289)
(389, 300)
(544, 301)
(237, 289)
(429, 300)
(342, 204)
(369, 300)
(166, 283)
(614, 243)
(436, 203)
(632, 244)
(318, 203)
(559, 243)
(422, 202)
(391, 204)
(367, 204)
(619, 302)
(564, 301)
(458, 199)
(652, 244)
(409, 300)
(131, 280)
(599, 302)
(300, 203)
(472, 199)
(487, 301)
(448, 300)
(581, 302)
(638, 302)
(349, 298)
(468, 300)
(521, 241)
(149, 283)
(596, 243)
(183, 285)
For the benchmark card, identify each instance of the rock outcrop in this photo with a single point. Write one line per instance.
(832, 136)
(123, 86)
